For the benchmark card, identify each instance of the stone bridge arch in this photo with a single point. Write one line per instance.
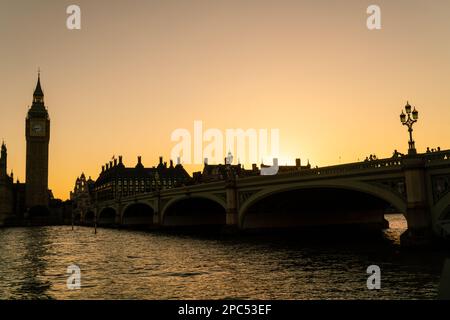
(173, 212)
(107, 217)
(440, 212)
(137, 214)
(375, 191)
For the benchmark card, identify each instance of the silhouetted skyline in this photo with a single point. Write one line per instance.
(138, 70)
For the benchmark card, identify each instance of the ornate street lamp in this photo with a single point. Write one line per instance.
(408, 120)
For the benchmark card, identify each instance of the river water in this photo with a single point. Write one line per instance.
(119, 264)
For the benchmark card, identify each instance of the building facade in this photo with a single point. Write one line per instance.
(81, 197)
(218, 172)
(116, 180)
(286, 168)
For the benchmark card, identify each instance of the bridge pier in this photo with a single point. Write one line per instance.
(157, 221)
(418, 215)
(232, 209)
(232, 215)
(96, 216)
(119, 214)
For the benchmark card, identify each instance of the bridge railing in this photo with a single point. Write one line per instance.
(436, 156)
(372, 164)
(345, 168)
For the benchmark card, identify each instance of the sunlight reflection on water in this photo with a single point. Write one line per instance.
(117, 264)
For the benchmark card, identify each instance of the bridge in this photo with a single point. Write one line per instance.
(350, 194)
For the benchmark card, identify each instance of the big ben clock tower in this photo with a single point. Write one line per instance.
(38, 136)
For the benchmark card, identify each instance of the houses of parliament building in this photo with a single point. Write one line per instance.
(20, 201)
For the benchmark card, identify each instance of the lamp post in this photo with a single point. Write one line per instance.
(408, 120)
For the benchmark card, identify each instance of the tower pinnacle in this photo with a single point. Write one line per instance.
(38, 95)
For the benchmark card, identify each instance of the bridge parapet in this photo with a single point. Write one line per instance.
(367, 165)
(437, 157)
(338, 169)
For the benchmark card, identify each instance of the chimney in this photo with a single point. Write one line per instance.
(110, 164)
(171, 163)
(120, 159)
(206, 161)
(160, 160)
(254, 167)
(298, 163)
(107, 166)
(139, 160)
(103, 168)
(165, 164)
(115, 162)
(178, 160)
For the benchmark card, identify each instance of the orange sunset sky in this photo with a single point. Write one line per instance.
(138, 70)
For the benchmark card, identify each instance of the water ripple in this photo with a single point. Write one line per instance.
(137, 265)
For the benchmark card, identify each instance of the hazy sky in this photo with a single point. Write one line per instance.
(138, 70)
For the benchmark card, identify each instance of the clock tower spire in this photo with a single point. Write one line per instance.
(37, 135)
(38, 95)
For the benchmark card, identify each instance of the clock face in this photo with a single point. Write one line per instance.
(37, 128)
